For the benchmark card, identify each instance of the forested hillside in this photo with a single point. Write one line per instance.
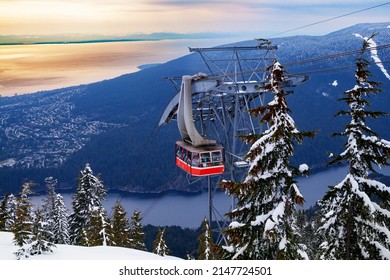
(113, 124)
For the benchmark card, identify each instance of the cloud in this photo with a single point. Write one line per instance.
(123, 16)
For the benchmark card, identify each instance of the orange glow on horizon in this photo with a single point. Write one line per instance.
(53, 17)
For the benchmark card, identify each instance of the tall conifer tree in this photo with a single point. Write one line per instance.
(99, 231)
(263, 224)
(89, 195)
(3, 213)
(356, 212)
(159, 245)
(7, 212)
(48, 203)
(137, 234)
(41, 236)
(206, 243)
(23, 225)
(22, 228)
(120, 227)
(60, 221)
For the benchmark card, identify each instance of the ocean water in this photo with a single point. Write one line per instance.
(188, 210)
(31, 68)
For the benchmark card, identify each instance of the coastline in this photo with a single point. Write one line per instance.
(75, 42)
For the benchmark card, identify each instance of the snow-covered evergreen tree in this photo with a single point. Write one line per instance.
(263, 224)
(356, 212)
(120, 227)
(23, 225)
(7, 212)
(159, 245)
(60, 221)
(48, 203)
(137, 233)
(22, 228)
(88, 197)
(205, 247)
(99, 231)
(307, 228)
(41, 236)
(3, 213)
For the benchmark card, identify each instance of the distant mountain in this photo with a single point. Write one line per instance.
(82, 38)
(113, 124)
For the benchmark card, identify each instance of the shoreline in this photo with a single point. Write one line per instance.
(76, 42)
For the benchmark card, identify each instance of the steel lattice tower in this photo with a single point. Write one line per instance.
(221, 104)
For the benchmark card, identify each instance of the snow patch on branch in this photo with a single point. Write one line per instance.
(363, 195)
(303, 168)
(236, 225)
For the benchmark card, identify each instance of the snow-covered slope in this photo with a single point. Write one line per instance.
(68, 252)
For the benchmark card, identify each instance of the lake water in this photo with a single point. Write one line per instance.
(188, 210)
(30, 68)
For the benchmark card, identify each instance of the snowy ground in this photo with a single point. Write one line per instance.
(110, 263)
(68, 252)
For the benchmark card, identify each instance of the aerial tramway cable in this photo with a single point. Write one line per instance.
(153, 135)
(329, 19)
(141, 157)
(315, 59)
(336, 68)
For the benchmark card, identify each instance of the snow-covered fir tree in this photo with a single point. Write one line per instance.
(41, 235)
(3, 213)
(120, 227)
(48, 203)
(60, 221)
(159, 245)
(307, 228)
(99, 231)
(7, 212)
(23, 225)
(205, 248)
(356, 212)
(88, 197)
(137, 233)
(264, 222)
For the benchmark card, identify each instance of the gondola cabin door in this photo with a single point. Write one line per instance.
(200, 161)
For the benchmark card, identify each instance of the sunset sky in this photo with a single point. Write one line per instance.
(117, 17)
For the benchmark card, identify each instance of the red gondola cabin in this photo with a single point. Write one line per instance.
(200, 161)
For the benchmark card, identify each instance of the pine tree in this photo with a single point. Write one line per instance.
(263, 224)
(99, 231)
(120, 227)
(136, 232)
(356, 212)
(60, 221)
(89, 195)
(205, 247)
(7, 212)
(307, 228)
(48, 202)
(3, 212)
(41, 235)
(22, 227)
(159, 245)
